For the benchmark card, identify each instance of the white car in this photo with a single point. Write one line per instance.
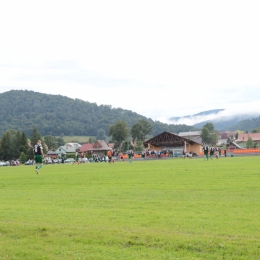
(4, 164)
(69, 160)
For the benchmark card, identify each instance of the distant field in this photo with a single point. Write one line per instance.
(74, 138)
(160, 209)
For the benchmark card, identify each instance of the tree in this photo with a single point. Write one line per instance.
(256, 130)
(5, 146)
(139, 146)
(51, 142)
(101, 134)
(35, 137)
(249, 142)
(208, 134)
(140, 129)
(119, 132)
(24, 148)
(60, 141)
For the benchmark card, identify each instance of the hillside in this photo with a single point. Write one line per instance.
(56, 115)
(247, 125)
(228, 123)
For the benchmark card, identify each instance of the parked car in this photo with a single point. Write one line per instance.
(47, 161)
(4, 164)
(56, 161)
(69, 160)
(82, 160)
(29, 162)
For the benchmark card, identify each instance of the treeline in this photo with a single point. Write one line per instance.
(15, 144)
(57, 115)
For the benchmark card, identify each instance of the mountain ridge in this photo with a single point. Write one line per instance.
(57, 114)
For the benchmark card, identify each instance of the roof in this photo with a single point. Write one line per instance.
(169, 139)
(227, 134)
(192, 133)
(236, 145)
(66, 149)
(51, 153)
(86, 147)
(244, 137)
(100, 145)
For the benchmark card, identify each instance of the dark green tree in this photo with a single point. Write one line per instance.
(119, 132)
(51, 142)
(208, 134)
(249, 142)
(6, 146)
(60, 141)
(101, 134)
(35, 136)
(141, 129)
(24, 148)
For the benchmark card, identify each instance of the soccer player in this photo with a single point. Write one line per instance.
(38, 155)
(206, 152)
(211, 151)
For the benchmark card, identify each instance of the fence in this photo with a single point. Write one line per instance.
(240, 152)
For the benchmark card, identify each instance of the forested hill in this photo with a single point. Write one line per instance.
(56, 114)
(247, 125)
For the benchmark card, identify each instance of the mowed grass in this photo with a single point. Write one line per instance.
(73, 138)
(162, 209)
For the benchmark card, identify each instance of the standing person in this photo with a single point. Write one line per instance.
(130, 156)
(143, 155)
(183, 154)
(113, 153)
(82, 158)
(38, 155)
(217, 152)
(109, 155)
(211, 151)
(206, 152)
(76, 158)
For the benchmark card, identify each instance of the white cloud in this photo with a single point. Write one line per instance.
(172, 58)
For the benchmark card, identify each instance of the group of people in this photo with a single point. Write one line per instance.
(186, 154)
(211, 151)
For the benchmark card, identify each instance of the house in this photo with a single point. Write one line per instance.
(100, 147)
(68, 148)
(243, 138)
(233, 145)
(223, 137)
(86, 148)
(192, 135)
(52, 154)
(176, 143)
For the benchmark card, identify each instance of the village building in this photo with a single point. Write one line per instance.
(223, 137)
(243, 138)
(86, 148)
(192, 135)
(174, 142)
(100, 148)
(68, 148)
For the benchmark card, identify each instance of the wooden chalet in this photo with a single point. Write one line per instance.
(170, 141)
(100, 147)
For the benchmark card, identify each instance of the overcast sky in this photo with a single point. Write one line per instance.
(157, 58)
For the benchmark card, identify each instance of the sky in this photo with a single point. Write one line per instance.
(160, 59)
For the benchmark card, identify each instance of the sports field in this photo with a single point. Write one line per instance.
(161, 209)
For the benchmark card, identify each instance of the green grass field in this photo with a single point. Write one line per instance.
(168, 209)
(78, 138)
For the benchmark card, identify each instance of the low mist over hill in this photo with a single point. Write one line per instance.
(222, 119)
(56, 115)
